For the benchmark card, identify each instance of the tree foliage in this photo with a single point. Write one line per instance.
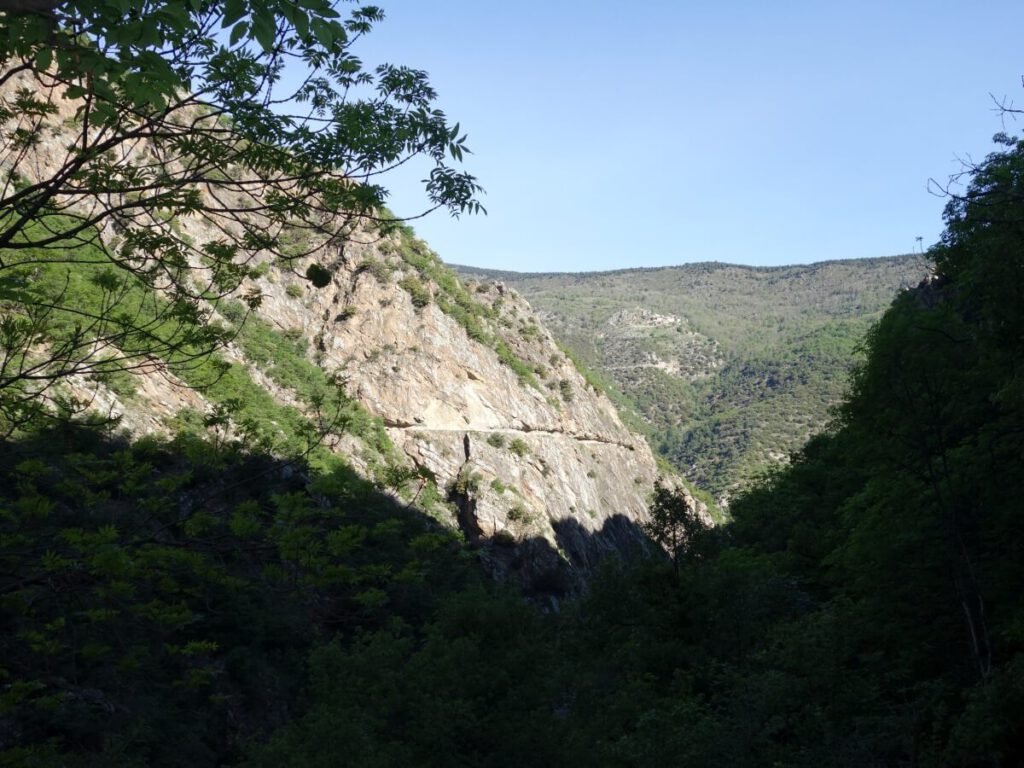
(158, 600)
(675, 523)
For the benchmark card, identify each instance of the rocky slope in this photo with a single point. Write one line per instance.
(529, 460)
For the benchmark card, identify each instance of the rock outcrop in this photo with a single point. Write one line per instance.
(535, 462)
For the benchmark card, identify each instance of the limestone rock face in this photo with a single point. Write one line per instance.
(538, 467)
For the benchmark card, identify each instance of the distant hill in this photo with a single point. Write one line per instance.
(729, 368)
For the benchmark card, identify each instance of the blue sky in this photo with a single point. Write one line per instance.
(614, 135)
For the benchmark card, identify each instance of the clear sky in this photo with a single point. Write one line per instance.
(613, 135)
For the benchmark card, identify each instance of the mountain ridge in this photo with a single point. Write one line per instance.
(493, 272)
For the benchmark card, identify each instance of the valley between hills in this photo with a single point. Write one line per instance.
(726, 369)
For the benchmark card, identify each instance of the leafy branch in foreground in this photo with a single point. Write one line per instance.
(177, 142)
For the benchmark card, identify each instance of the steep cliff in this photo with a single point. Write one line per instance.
(457, 399)
(473, 392)
(530, 461)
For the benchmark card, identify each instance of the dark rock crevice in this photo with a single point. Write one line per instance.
(461, 495)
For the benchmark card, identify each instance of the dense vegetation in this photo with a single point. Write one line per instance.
(730, 369)
(187, 602)
(160, 599)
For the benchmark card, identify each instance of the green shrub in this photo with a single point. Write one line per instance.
(467, 482)
(530, 331)
(521, 369)
(381, 270)
(235, 311)
(565, 388)
(121, 383)
(466, 318)
(418, 292)
(260, 270)
(518, 514)
(294, 290)
(519, 447)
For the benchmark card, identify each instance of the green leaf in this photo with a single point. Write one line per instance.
(323, 31)
(238, 32)
(104, 113)
(301, 22)
(44, 57)
(233, 11)
(264, 29)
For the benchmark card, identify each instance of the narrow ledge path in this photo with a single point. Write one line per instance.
(585, 439)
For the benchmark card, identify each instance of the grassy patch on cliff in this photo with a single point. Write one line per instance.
(452, 297)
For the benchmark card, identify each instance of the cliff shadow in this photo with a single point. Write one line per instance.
(548, 573)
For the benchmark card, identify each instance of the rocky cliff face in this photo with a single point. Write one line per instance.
(532, 463)
(473, 391)
(506, 437)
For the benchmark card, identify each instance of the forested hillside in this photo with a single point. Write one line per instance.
(729, 368)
